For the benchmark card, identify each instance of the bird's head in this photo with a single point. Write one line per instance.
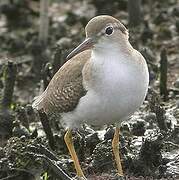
(101, 31)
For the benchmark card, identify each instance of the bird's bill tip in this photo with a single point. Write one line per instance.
(86, 44)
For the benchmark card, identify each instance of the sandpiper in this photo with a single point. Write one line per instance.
(104, 81)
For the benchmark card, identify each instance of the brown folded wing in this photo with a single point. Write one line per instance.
(65, 89)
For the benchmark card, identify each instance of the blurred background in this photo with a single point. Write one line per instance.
(35, 38)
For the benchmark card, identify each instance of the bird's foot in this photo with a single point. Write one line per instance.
(80, 178)
(119, 177)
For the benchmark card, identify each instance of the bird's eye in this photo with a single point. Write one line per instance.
(109, 30)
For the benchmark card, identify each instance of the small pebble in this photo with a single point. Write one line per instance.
(171, 94)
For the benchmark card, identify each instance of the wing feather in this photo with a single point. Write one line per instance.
(66, 87)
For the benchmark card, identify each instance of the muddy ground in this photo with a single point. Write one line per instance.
(149, 142)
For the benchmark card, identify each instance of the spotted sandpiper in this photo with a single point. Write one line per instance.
(104, 81)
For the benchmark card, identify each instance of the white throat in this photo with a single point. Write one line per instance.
(111, 65)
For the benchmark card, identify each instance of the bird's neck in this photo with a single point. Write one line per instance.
(110, 48)
(104, 61)
(108, 63)
(111, 52)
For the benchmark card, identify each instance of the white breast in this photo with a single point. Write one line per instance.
(119, 88)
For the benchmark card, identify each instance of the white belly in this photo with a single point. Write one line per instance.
(118, 90)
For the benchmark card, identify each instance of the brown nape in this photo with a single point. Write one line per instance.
(98, 23)
(122, 28)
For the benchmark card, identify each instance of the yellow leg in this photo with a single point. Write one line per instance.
(70, 146)
(115, 146)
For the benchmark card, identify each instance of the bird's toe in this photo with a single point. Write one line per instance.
(119, 177)
(80, 178)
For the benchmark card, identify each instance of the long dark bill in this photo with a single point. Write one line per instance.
(86, 44)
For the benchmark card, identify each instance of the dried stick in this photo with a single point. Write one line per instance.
(134, 10)
(47, 129)
(44, 21)
(9, 81)
(163, 74)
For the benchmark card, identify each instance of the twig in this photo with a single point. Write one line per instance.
(60, 53)
(9, 81)
(58, 58)
(41, 149)
(45, 123)
(42, 152)
(134, 10)
(46, 74)
(161, 119)
(44, 21)
(18, 60)
(56, 169)
(163, 74)
(154, 104)
(172, 144)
